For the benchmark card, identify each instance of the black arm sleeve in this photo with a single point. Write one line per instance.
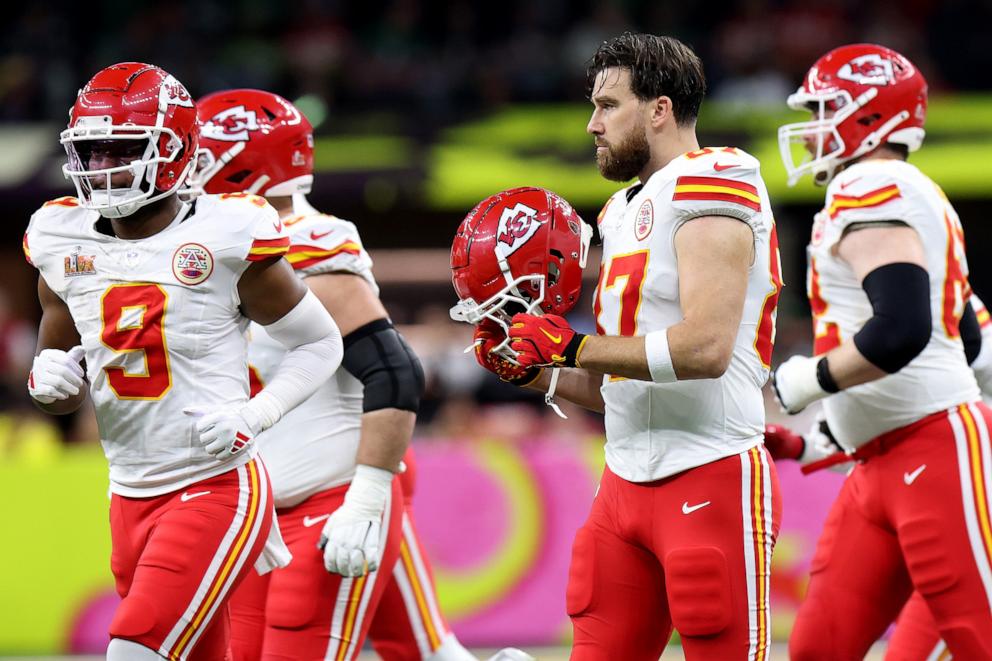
(378, 356)
(901, 325)
(971, 333)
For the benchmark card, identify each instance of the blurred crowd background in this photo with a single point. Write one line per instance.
(385, 82)
(422, 108)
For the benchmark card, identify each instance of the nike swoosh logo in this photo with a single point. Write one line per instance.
(687, 509)
(909, 478)
(314, 236)
(190, 496)
(554, 338)
(720, 167)
(314, 520)
(848, 183)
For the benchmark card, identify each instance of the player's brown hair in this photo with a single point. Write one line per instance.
(658, 66)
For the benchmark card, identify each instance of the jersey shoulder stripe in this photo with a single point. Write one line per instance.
(267, 248)
(303, 256)
(873, 198)
(66, 201)
(717, 188)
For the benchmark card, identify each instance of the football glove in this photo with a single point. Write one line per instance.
(800, 381)
(350, 537)
(545, 341)
(225, 433)
(816, 444)
(488, 335)
(56, 375)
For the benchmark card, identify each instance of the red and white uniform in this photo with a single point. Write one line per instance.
(916, 513)
(160, 325)
(302, 610)
(654, 430)
(688, 509)
(938, 378)
(141, 309)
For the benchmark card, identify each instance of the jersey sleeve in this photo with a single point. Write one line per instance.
(861, 195)
(326, 244)
(723, 183)
(39, 251)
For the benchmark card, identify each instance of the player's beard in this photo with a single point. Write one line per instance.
(625, 160)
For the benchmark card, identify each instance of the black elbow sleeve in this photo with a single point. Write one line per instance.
(901, 325)
(378, 356)
(971, 333)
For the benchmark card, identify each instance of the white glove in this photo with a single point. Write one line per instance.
(226, 432)
(820, 441)
(56, 375)
(796, 384)
(350, 537)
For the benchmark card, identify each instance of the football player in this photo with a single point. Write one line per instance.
(682, 528)
(335, 459)
(894, 332)
(154, 295)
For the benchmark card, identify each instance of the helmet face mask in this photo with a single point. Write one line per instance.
(143, 122)
(861, 96)
(521, 250)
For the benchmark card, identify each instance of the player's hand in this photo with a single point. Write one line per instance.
(350, 537)
(56, 375)
(489, 335)
(796, 383)
(225, 433)
(546, 341)
(820, 441)
(783, 443)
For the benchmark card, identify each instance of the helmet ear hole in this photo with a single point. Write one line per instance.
(869, 119)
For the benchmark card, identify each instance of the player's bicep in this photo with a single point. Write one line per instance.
(714, 254)
(56, 330)
(268, 290)
(859, 247)
(349, 298)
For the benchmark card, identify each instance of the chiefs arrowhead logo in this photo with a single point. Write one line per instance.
(871, 69)
(233, 124)
(516, 226)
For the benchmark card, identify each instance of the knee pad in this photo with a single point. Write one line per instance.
(925, 551)
(578, 594)
(134, 617)
(698, 586)
(295, 595)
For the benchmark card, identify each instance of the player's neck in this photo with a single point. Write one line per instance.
(283, 205)
(667, 147)
(147, 220)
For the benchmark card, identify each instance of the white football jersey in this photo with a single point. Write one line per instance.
(312, 448)
(886, 191)
(160, 324)
(654, 430)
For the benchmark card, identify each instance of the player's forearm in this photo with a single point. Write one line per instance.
(385, 437)
(696, 353)
(579, 386)
(849, 368)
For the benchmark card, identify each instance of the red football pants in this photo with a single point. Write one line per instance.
(302, 612)
(177, 557)
(409, 625)
(914, 515)
(692, 550)
(916, 637)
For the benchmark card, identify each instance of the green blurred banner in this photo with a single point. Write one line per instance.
(547, 145)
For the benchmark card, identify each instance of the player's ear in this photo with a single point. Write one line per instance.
(662, 111)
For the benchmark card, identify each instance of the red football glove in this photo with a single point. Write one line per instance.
(488, 335)
(546, 341)
(783, 443)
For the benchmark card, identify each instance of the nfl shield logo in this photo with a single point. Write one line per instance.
(192, 264)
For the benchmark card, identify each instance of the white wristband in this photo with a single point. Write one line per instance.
(659, 357)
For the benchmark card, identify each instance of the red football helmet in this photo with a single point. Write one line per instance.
(253, 141)
(522, 250)
(862, 96)
(146, 120)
